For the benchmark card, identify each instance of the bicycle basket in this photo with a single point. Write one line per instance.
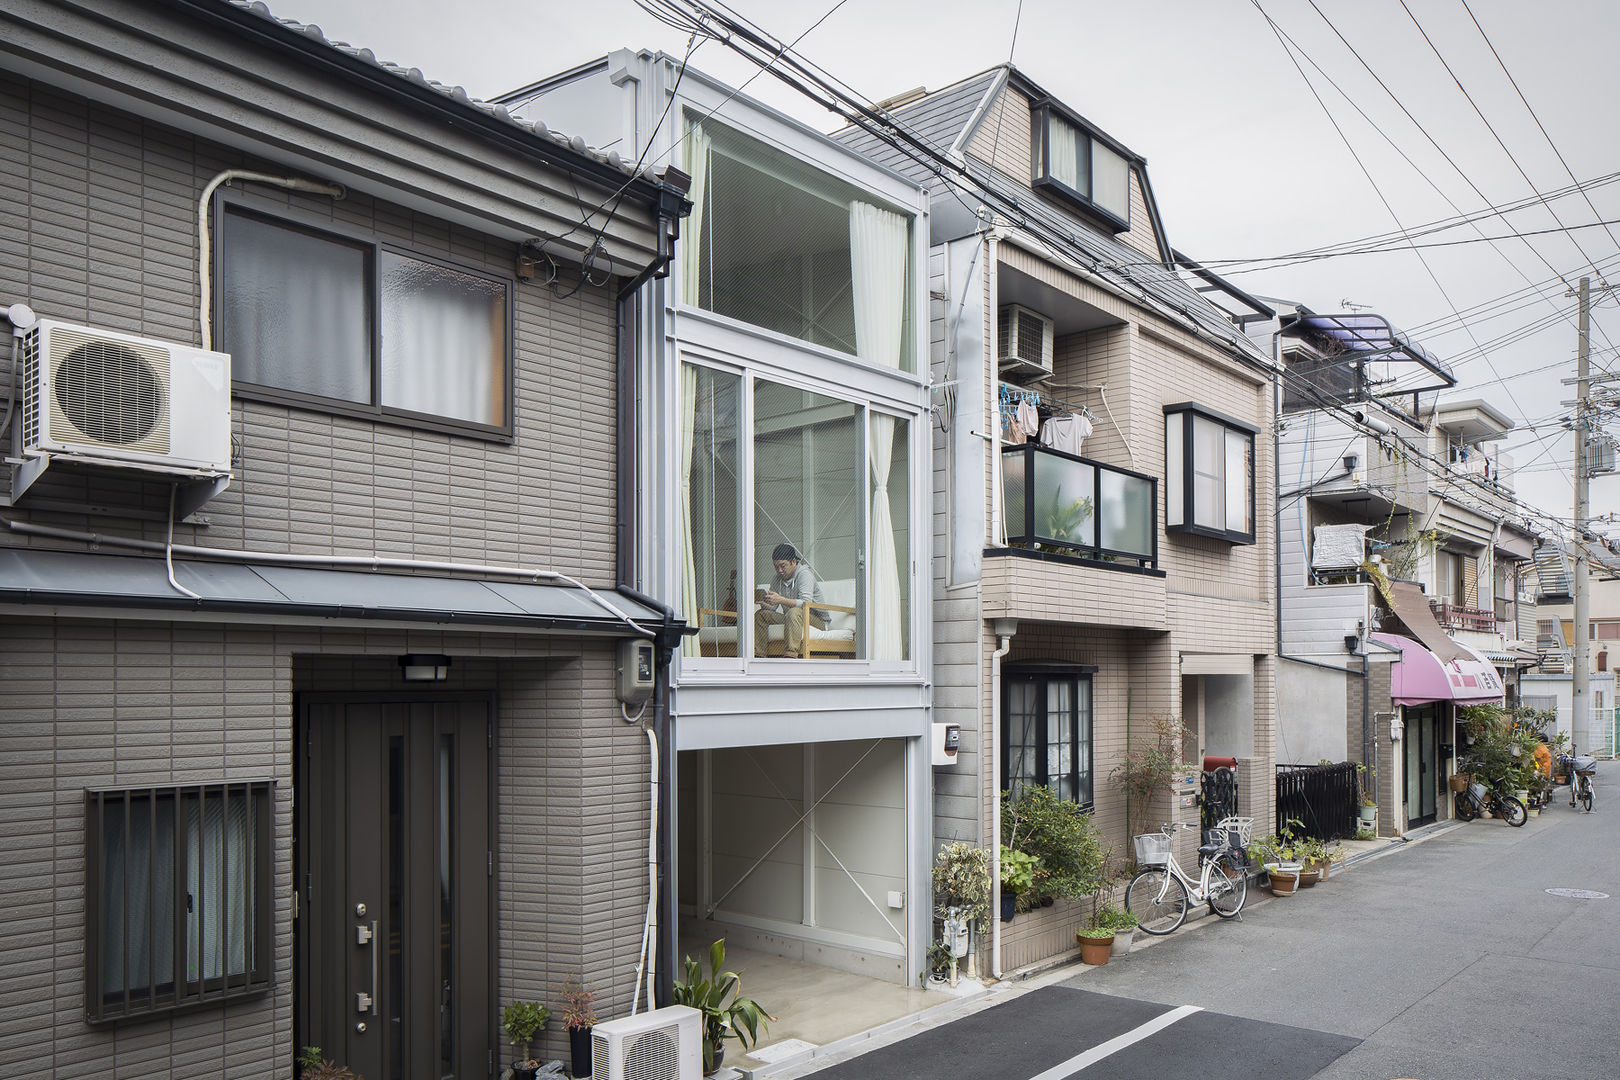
(1152, 849)
(1479, 791)
(1585, 764)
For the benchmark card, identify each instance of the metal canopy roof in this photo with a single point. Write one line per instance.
(1374, 336)
(58, 579)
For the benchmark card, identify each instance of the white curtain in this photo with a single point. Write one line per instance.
(697, 163)
(1063, 148)
(878, 249)
(219, 877)
(689, 604)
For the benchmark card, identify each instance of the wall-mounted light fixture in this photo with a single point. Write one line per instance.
(424, 667)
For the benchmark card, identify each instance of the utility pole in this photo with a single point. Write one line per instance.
(1579, 698)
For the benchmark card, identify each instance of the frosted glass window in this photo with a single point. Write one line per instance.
(1174, 468)
(1239, 471)
(1126, 513)
(296, 309)
(443, 341)
(1074, 164)
(1110, 181)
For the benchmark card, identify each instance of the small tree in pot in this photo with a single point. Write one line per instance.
(522, 1021)
(577, 1008)
(726, 1013)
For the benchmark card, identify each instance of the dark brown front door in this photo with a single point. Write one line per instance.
(392, 872)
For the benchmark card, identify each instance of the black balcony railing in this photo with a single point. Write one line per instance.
(1076, 506)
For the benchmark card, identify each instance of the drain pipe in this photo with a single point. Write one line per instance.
(1004, 630)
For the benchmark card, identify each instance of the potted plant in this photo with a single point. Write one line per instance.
(1278, 855)
(1060, 835)
(717, 995)
(577, 1008)
(1017, 877)
(522, 1021)
(939, 964)
(1123, 924)
(1147, 770)
(1096, 943)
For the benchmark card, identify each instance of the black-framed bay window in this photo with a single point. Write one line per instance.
(349, 324)
(1208, 474)
(1074, 163)
(1046, 736)
(177, 897)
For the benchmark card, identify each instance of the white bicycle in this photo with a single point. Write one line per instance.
(1159, 893)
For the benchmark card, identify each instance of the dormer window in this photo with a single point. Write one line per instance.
(1074, 164)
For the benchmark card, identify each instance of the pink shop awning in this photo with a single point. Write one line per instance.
(1420, 677)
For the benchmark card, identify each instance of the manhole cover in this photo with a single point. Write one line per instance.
(1579, 894)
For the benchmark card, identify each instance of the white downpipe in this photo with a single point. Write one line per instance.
(370, 562)
(205, 253)
(646, 961)
(1002, 649)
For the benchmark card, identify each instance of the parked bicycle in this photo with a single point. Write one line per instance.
(1477, 799)
(1159, 893)
(1580, 768)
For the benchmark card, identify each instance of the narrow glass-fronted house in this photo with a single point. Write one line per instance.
(782, 474)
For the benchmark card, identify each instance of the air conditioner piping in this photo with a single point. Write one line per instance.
(372, 562)
(1003, 647)
(205, 254)
(22, 319)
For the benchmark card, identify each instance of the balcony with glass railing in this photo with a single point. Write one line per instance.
(1067, 505)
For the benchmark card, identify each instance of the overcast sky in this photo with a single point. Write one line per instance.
(1244, 161)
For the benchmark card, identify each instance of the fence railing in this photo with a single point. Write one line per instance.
(1323, 798)
(1456, 617)
(1220, 795)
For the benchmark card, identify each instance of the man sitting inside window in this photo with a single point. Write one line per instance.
(786, 602)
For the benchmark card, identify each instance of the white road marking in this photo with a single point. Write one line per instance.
(1116, 1044)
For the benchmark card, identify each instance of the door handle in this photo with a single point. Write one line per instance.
(367, 1001)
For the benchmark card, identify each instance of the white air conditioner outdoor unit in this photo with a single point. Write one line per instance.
(1026, 342)
(121, 400)
(664, 1044)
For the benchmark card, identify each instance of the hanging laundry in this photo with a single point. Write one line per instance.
(1029, 420)
(1066, 433)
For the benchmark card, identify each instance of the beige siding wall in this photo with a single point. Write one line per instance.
(132, 703)
(99, 210)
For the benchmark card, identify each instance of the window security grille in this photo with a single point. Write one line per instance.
(177, 897)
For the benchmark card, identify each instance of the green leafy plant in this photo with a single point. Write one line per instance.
(1146, 769)
(522, 1021)
(576, 1004)
(1018, 869)
(717, 994)
(1058, 833)
(962, 880)
(1066, 520)
(1366, 833)
(939, 959)
(1094, 932)
(311, 1066)
(1121, 919)
(1283, 846)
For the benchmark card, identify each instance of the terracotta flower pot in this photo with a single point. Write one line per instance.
(1282, 882)
(1308, 878)
(1095, 950)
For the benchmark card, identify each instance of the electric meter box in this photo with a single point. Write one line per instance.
(947, 740)
(635, 671)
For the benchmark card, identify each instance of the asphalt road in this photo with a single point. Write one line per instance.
(1444, 959)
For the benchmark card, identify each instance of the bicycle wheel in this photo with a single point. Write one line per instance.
(1586, 796)
(1466, 810)
(1228, 889)
(1512, 811)
(1157, 899)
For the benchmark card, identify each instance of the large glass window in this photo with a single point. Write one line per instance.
(1047, 730)
(177, 897)
(1073, 163)
(359, 326)
(776, 243)
(828, 570)
(1209, 474)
